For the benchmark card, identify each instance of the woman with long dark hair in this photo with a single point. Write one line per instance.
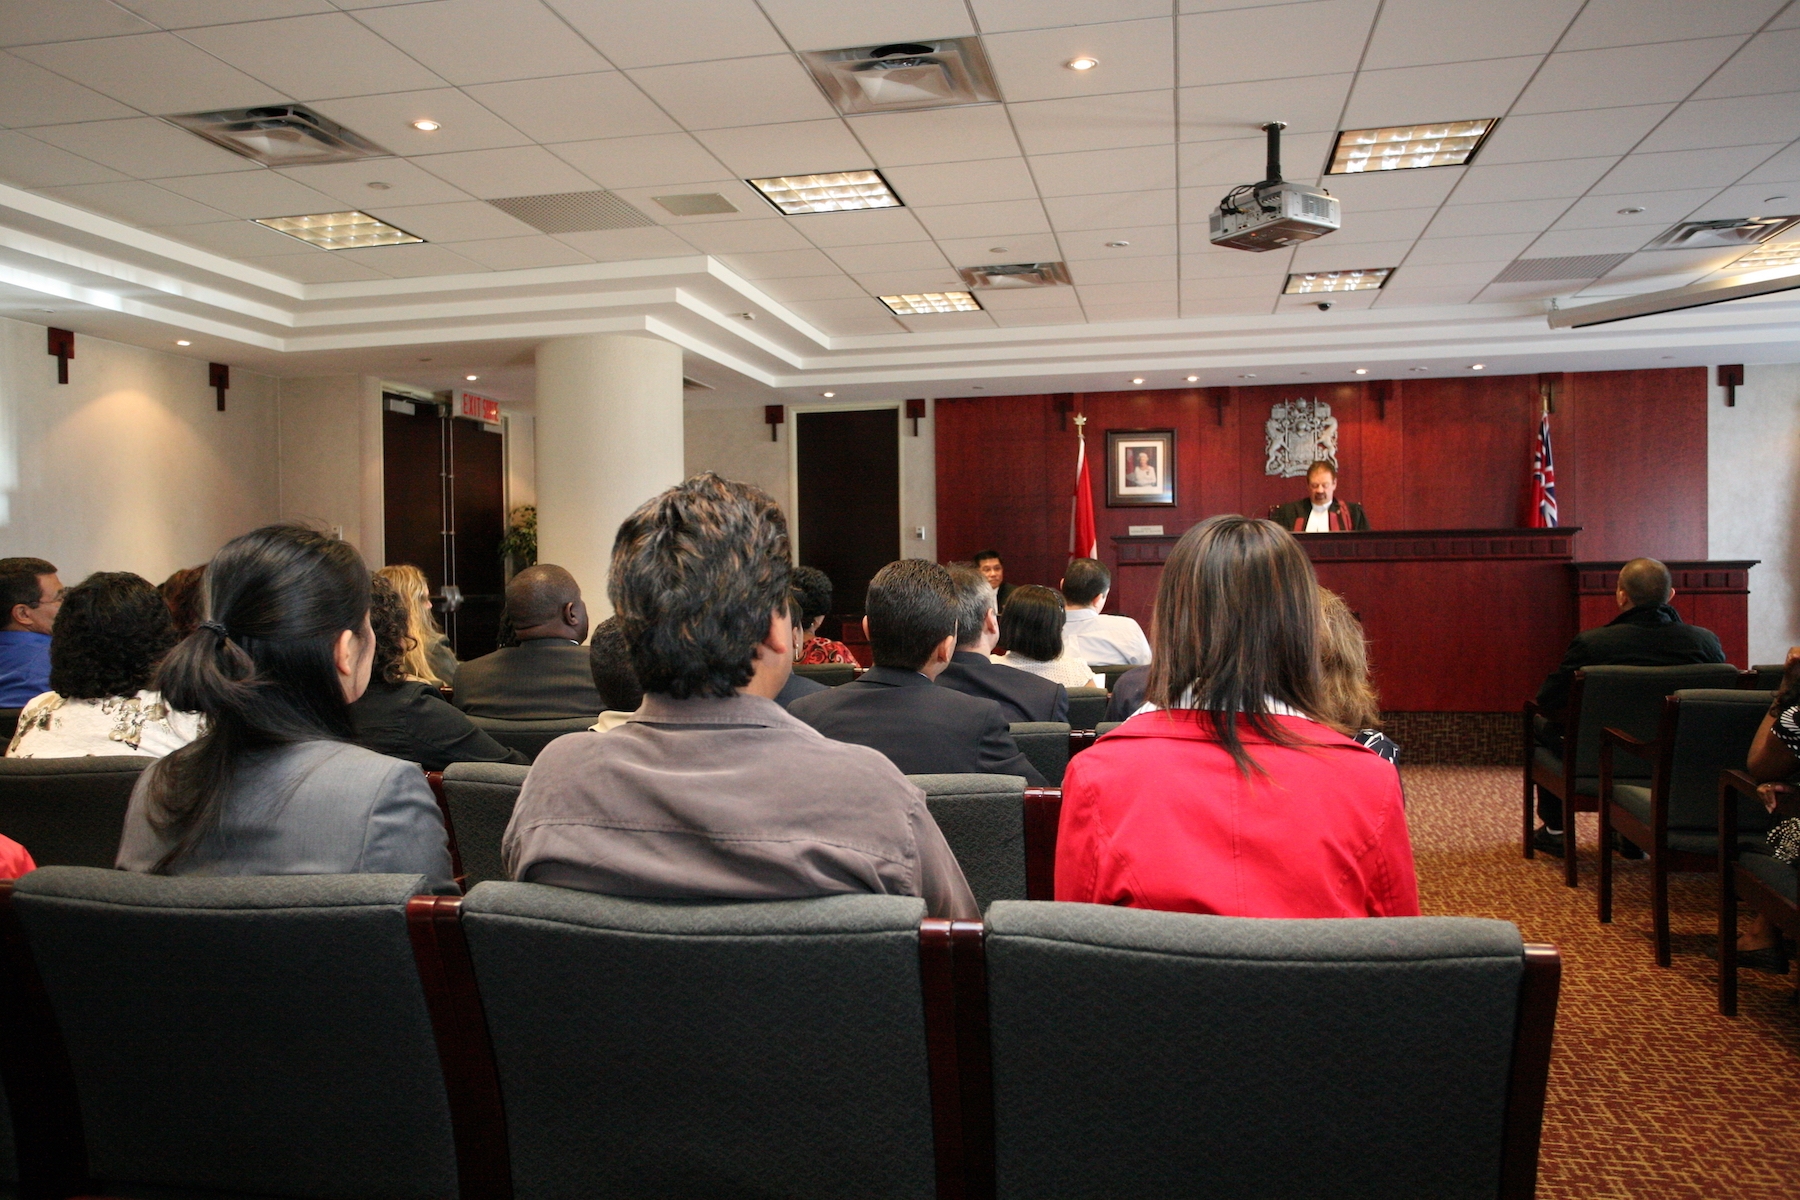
(274, 786)
(1233, 796)
(1031, 629)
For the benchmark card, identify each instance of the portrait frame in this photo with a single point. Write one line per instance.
(1140, 468)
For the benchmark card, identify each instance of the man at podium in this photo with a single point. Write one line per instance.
(1320, 511)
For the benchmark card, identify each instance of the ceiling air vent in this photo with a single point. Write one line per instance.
(900, 76)
(1731, 234)
(697, 204)
(1574, 266)
(573, 212)
(282, 135)
(1015, 275)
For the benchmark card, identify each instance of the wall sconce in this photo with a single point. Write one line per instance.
(218, 378)
(62, 345)
(1731, 378)
(775, 415)
(914, 410)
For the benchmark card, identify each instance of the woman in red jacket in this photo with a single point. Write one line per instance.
(1233, 798)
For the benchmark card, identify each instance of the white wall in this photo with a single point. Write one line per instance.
(1753, 477)
(129, 466)
(330, 458)
(521, 458)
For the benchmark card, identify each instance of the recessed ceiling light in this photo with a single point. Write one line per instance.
(1764, 258)
(996, 249)
(378, 186)
(183, 342)
(1367, 279)
(1362, 370)
(471, 378)
(1626, 212)
(1401, 147)
(838, 191)
(1252, 375)
(1193, 379)
(1085, 62)
(1773, 199)
(1137, 379)
(1117, 245)
(1418, 368)
(426, 125)
(1477, 366)
(828, 395)
(340, 230)
(916, 303)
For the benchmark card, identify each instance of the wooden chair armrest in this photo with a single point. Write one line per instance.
(1637, 747)
(1043, 816)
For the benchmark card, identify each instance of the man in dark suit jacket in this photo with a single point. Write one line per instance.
(894, 707)
(1127, 694)
(993, 571)
(1648, 632)
(1320, 511)
(545, 677)
(1021, 695)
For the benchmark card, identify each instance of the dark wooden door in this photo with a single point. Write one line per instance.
(849, 497)
(412, 466)
(478, 519)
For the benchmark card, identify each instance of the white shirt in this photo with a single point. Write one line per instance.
(1100, 638)
(1319, 520)
(52, 727)
(1067, 670)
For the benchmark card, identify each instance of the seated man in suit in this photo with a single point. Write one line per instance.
(1320, 511)
(710, 791)
(546, 677)
(893, 707)
(1127, 694)
(993, 571)
(1648, 632)
(1021, 695)
(1096, 638)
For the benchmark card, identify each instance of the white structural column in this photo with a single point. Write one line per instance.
(609, 437)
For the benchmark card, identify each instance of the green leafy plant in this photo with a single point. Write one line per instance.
(519, 543)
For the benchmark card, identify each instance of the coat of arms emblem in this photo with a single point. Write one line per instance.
(1301, 433)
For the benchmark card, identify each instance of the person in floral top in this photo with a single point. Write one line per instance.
(814, 589)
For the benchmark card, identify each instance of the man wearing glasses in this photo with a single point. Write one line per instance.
(31, 594)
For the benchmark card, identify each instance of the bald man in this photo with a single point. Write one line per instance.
(546, 677)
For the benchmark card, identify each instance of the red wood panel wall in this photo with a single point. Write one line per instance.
(1417, 453)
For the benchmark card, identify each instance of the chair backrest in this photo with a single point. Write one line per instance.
(1140, 1053)
(666, 1049)
(530, 737)
(1768, 676)
(829, 674)
(479, 799)
(1111, 672)
(1631, 699)
(68, 811)
(983, 819)
(1046, 744)
(263, 1035)
(1106, 727)
(1087, 706)
(1711, 731)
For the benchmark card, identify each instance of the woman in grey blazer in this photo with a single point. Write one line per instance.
(274, 786)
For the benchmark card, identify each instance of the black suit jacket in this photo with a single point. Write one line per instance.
(1003, 594)
(925, 730)
(545, 679)
(1021, 695)
(1128, 693)
(410, 720)
(796, 687)
(1298, 510)
(1653, 635)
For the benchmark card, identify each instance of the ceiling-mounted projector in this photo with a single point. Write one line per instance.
(1273, 213)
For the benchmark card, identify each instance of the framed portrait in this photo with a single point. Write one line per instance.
(1140, 468)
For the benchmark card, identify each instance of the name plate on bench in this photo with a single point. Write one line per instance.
(1144, 530)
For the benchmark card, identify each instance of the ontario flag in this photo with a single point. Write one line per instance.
(1082, 541)
(1543, 479)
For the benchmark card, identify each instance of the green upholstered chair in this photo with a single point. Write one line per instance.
(1111, 672)
(1046, 744)
(1766, 677)
(478, 803)
(1624, 698)
(829, 674)
(983, 819)
(245, 1036)
(1106, 727)
(1752, 875)
(68, 811)
(1140, 1053)
(530, 737)
(1674, 818)
(1087, 707)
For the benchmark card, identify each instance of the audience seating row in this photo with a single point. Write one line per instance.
(1765, 883)
(339, 1036)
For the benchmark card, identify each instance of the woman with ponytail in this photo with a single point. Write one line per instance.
(274, 786)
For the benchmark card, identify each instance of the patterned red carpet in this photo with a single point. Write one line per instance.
(1652, 1092)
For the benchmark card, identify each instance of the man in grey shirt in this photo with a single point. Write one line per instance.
(711, 790)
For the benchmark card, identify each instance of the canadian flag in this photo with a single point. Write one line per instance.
(1082, 541)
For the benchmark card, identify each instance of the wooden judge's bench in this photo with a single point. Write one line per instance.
(1467, 620)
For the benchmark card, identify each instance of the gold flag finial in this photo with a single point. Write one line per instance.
(1080, 420)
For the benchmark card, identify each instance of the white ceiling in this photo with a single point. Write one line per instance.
(1673, 107)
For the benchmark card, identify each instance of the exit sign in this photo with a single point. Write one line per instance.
(477, 408)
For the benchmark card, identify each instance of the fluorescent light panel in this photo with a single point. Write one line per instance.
(839, 191)
(1767, 258)
(1403, 147)
(340, 230)
(1367, 279)
(917, 303)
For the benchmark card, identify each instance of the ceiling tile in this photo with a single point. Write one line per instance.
(999, 300)
(1677, 169)
(941, 322)
(1740, 121)
(1787, 20)
(520, 253)
(831, 24)
(408, 262)
(1325, 255)
(671, 31)
(798, 148)
(842, 328)
(812, 287)
(350, 182)
(1095, 122)
(1389, 225)
(1151, 291)
(1397, 295)
(512, 171)
(1745, 200)
(1508, 216)
(1309, 104)
(748, 202)
(312, 58)
(314, 268)
(871, 227)
(781, 264)
(1112, 210)
(1418, 32)
(467, 220)
(137, 203)
(186, 14)
(1123, 270)
(157, 72)
(387, 120)
(252, 194)
(895, 256)
(619, 245)
(937, 135)
(1134, 56)
(1225, 47)
(963, 182)
(1013, 248)
(1770, 63)
(1232, 286)
(997, 16)
(1460, 274)
(1651, 264)
(1379, 190)
(1537, 137)
(734, 92)
(1225, 308)
(1225, 164)
(900, 283)
(26, 162)
(738, 237)
(1660, 208)
(1342, 302)
(142, 147)
(241, 239)
(1448, 92)
(485, 41)
(1563, 243)
(30, 95)
(983, 220)
(1529, 181)
(1583, 79)
(1204, 261)
(22, 21)
(575, 107)
(1022, 317)
(1154, 310)
(652, 161)
(1782, 168)
(1633, 22)
(1092, 171)
(867, 307)
(1140, 241)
